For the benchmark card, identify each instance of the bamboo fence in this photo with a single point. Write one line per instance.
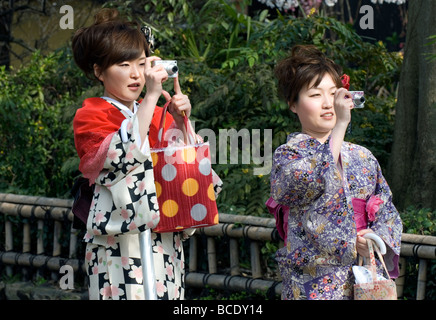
(217, 256)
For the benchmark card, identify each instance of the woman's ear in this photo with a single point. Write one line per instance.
(292, 107)
(97, 72)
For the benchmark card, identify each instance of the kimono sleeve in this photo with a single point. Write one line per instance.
(301, 171)
(388, 224)
(125, 194)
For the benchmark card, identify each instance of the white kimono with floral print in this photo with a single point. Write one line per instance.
(125, 204)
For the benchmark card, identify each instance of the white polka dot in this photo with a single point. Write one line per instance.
(204, 166)
(169, 172)
(198, 212)
(159, 135)
(169, 151)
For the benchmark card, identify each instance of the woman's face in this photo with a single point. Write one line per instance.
(315, 110)
(124, 81)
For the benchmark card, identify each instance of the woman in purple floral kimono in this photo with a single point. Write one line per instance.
(335, 190)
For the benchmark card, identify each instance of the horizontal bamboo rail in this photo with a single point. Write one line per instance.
(234, 229)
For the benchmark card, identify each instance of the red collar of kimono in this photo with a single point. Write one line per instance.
(94, 125)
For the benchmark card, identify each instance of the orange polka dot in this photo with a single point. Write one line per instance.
(211, 192)
(170, 208)
(154, 158)
(188, 155)
(190, 187)
(158, 188)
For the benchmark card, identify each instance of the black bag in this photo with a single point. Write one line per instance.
(82, 193)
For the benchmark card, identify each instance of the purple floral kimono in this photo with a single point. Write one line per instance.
(317, 260)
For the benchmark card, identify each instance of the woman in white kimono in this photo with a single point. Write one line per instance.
(113, 135)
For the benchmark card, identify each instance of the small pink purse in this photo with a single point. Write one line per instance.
(376, 289)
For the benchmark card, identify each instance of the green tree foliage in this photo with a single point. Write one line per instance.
(36, 137)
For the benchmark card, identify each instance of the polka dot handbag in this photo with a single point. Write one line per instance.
(183, 179)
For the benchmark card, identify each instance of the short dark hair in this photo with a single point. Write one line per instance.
(108, 41)
(304, 64)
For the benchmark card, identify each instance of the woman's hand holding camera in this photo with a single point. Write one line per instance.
(154, 77)
(343, 105)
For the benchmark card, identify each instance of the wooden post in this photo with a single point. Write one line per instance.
(211, 255)
(39, 238)
(422, 279)
(234, 257)
(9, 242)
(73, 243)
(57, 249)
(399, 282)
(193, 249)
(256, 269)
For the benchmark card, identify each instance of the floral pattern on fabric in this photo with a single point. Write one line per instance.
(115, 272)
(321, 235)
(124, 204)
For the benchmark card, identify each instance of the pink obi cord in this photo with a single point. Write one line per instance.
(365, 211)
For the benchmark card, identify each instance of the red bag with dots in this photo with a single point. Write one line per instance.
(183, 179)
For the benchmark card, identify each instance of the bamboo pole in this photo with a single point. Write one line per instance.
(422, 279)
(211, 255)
(236, 283)
(9, 243)
(193, 253)
(9, 238)
(26, 237)
(39, 238)
(38, 261)
(57, 248)
(72, 252)
(419, 250)
(39, 212)
(253, 233)
(418, 239)
(256, 270)
(35, 200)
(399, 282)
(234, 257)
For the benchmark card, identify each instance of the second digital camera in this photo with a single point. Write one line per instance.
(358, 98)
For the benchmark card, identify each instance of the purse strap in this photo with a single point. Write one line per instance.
(371, 246)
(162, 128)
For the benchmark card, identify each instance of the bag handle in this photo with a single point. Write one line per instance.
(162, 128)
(371, 246)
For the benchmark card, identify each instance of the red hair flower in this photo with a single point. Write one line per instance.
(345, 81)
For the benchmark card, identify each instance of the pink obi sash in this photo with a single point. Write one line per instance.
(281, 214)
(365, 211)
(360, 217)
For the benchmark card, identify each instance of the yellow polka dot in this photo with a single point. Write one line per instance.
(188, 155)
(211, 192)
(190, 187)
(158, 189)
(170, 208)
(216, 219)
(154, 158)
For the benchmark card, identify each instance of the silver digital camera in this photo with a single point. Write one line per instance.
(358, 98)
(170, 67)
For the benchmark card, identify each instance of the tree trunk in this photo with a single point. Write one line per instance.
(412, 166)
(6, 14)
